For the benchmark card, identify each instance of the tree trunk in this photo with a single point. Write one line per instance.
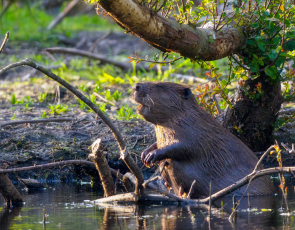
(252, 120)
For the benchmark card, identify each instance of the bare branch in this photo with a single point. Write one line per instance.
(264, 155)
(50, 165)
(191, 189)
(102, 58)
(62, 14)
(62, 119)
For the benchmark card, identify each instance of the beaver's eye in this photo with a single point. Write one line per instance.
(160, 86)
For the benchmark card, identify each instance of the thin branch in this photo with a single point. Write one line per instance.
(191, 189)
(238, 62)
(98, 41)
(63, 14)
(161, 6)
(63, 119)
(103, 99)
(102, 58)
(264, 155)
(151, 180)
(4, 42)
(88, 54)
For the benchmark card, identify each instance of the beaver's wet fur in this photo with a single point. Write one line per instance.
(194, 145)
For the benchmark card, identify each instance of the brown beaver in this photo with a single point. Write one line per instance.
(194, 145)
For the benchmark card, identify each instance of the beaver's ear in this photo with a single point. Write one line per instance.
(187, 93)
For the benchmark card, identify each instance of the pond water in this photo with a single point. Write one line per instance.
(68, 207)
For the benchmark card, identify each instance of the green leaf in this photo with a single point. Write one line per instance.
(287, 55)
(261, 46)
(254, 66)
(211, 40)
(251, 42)
(271, 71)
(272, 54)
(289, 46)
(280, 61)
(223, 83)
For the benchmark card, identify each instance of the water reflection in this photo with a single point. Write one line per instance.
(67, 208)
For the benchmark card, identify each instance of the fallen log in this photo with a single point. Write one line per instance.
(31, 183)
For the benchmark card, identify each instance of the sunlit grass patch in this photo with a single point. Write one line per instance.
(29, 24)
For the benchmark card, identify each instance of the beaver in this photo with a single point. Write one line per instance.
(193, 145)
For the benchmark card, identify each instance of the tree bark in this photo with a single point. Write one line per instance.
(252, 120)
(168, 35)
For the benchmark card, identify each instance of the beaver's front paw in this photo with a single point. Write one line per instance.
(152, 157)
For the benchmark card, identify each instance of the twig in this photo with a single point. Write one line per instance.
(88, 54)
(98, 41)
(291, 151)
(264, 155)
(6, 8)
(284, 194)
(191, 189)
(37, 121)
(151, 180)
(4, 42)
(103, 99)
(62, 14)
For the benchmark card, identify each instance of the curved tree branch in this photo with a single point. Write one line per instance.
(168, 35)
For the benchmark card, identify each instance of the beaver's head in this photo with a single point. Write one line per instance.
(161, 101)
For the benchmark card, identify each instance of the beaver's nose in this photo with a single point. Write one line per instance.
(137, 87)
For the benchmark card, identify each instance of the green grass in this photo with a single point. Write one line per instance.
(26, 24)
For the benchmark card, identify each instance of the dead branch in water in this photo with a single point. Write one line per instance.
(49, 165)
(102, 167)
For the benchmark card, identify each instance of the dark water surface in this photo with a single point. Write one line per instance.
(68, 207)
